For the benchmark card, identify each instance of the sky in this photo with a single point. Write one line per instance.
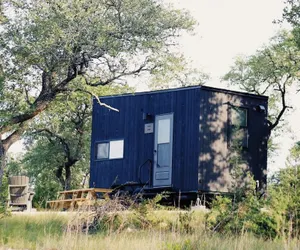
(226, 29)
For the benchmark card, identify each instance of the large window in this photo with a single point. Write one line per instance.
(239, 117)
(110, 150)
(239, 127)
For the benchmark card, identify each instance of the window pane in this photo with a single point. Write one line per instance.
(102, 151)
(239, 117)
(163, 131)
(116, 149)
(163, 155)
(240, 137)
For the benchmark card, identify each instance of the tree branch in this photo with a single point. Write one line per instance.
(98, 99)
(59, 138)
(46, 95)
(12, 138)
(282, 90)
(117, 76)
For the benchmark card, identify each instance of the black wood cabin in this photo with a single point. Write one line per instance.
(178, 139)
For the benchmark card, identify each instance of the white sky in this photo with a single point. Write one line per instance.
(226, 29)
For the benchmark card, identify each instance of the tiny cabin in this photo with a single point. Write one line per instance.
(179, 139)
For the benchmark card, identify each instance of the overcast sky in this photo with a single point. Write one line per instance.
(226, 29)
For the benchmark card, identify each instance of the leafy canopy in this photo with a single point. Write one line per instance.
(45, 45)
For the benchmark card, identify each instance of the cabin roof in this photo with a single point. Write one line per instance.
(208, 88)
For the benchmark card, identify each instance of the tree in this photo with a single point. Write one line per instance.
(62, 134)
(175, 71)
(50, 49)
(271, 71)
(58, 146)
(291, 13)
(61, 139)
(285, 195)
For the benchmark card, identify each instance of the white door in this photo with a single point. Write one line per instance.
(163, 144)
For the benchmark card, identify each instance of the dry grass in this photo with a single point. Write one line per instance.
(145, 229)
(151, 239)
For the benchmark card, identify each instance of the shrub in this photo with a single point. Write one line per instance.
(246, 215)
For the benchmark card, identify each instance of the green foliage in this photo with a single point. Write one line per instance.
(3, 197)
(45, 46)
(261, 73)
(236, 218)
(34, 229)
(185, 220)
(292, 16)
(185, 245)
(175, 71)
(273, 216)
(284, 198)
(48, 231)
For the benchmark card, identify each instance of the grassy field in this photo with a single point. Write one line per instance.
(167, 230)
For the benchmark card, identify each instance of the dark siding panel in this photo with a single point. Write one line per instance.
(214, 167)
(138, 147)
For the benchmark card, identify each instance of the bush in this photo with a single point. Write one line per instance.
(246, 215)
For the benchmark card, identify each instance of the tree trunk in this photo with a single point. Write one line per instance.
(68, 178)
(5, 145)
(59, 175)
(2, 162)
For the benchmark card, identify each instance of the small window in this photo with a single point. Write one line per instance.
(164, 126)
(239, 117)
(116, 149)
(102, 151)
(110, 150)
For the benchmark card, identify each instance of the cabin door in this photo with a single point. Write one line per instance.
(163, 144)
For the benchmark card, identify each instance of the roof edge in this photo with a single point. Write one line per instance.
(203, 87)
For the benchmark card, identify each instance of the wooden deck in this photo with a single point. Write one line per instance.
(77, 197)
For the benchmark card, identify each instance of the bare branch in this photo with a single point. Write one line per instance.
(98, 99)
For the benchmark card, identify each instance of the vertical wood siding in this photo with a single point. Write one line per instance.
(200, 137)
(128, 124)
(214, 165)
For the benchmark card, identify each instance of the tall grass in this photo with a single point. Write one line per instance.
(152, 239)
(28, 231)
(158, 229)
